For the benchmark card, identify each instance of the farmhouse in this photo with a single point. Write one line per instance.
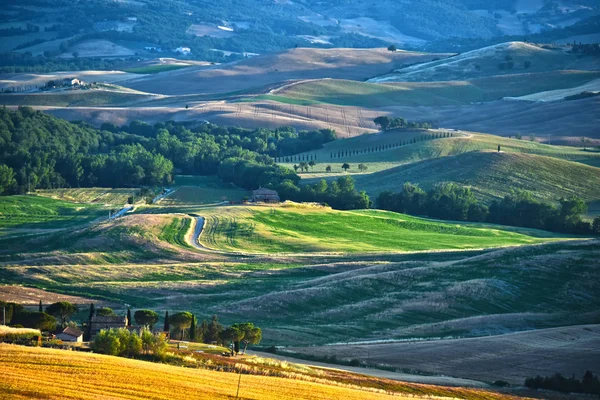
(98, 323)
(70, 335)
(183, 50)
(71, 82)
(265, 196)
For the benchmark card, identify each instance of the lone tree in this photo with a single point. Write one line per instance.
(193, 328)
(328, 169)
(312, 164)
(345, 167)
(166, 326)
(145, 318)
(362, 167)
(392, 48)
(181, 321)
(40, 309)
(62, 310)
(129, 316)
(105, 312)
(252, 334)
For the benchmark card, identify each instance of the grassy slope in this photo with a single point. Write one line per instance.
(202, 190)
(364, 94)
(276, 230)
(91, 195)
(463, 66)
(430, 149)
(493, 175)
(34, 212)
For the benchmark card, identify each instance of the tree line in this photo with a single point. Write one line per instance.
(450, 201)
(589, 384)
(386, 123)
(38, 151)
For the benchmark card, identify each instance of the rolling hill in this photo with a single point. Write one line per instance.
(493, 175)
(298, 229)
(426, 148)
(266, 70)
(429, 93)
(488, 61)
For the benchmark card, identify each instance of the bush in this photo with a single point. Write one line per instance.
(23, 336)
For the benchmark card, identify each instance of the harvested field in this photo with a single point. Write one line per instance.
(91, 195)
(511, 357)
(209, 30)
(25, 80)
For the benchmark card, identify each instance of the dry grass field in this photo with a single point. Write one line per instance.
(56, 374)
(262, 71)
(91, 195)
(511, 357)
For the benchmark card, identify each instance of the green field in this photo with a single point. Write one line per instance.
(202, 190)
(372, 95)
(91, 195)
(493, 175)
(155, 69)
(174, 233)
(309, 230)
(459, 143)
(30, 213)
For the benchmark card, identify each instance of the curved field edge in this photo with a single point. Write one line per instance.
(48, 373)
(313, 230)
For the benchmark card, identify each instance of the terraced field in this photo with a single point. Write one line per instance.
(297, 230)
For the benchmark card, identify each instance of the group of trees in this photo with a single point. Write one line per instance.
(387, 146)
(386, 123)
(340, 194)
(55, 315)
(40, 151)
(590, 383)
(125, 343)
(453, 202)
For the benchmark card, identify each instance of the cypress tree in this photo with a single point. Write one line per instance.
(128, 316)
(92, 311)
(166, 327)
(41, 309)
(193, 329)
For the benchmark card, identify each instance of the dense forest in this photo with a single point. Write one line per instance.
(453, 202)
(38, 151)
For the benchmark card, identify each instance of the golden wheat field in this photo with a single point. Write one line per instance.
(29, 372)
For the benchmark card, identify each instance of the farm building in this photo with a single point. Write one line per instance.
(98, 323)
(265, 196)
(71, 82)
(70, 335)
(183, 50)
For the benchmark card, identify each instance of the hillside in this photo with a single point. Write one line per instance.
(493, 175)
(566, 350)
(265, 70)
(487, 61)
(419, 145)
(314, 230)
(429, 93)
